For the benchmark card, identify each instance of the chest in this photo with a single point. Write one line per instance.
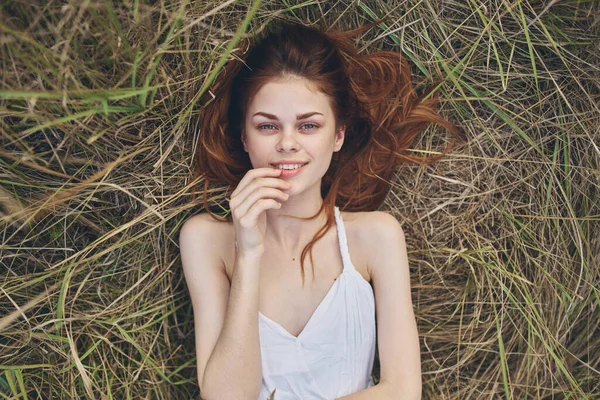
(284, 299)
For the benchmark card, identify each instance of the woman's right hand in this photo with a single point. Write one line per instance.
(259, 190)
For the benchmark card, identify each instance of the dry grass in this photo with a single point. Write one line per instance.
(97, 106)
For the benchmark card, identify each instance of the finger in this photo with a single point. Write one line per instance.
(254, 174)
(250, 219)
(260, 182)
(258, 194)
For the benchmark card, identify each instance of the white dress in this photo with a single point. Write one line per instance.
(333, 355)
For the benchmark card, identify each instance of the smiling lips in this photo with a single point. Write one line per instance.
(290, 168)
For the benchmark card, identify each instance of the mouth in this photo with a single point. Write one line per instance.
(289, 170)
(289, 167)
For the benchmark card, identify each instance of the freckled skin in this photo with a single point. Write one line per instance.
(313, 139)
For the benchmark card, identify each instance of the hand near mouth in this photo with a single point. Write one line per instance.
(259, 190)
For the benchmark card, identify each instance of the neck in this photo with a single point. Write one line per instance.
(288, 236)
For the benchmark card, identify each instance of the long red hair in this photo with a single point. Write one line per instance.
(370, 94)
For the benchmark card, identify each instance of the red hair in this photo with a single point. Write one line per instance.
(371, 94)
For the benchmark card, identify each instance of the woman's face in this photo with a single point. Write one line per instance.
(288, 122)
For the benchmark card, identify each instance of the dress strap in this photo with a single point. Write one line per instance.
(341, 231)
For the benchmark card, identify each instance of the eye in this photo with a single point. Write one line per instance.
(310, 124)
(263, 126)
(267, 127)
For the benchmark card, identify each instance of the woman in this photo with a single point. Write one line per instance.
(303, 127)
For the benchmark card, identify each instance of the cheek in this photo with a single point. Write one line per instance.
(323, 160)
(257, 152)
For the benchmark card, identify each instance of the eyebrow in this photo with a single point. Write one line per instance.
(298, 117)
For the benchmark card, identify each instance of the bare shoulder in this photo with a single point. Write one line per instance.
(368, 233)
(205, 233)
(202, 223)
(372, 225)
(201, 240)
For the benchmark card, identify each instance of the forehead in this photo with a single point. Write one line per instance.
(286, 98)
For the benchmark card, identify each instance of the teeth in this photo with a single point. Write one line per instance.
(289, 166)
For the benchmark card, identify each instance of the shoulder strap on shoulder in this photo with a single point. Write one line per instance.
(341, 231)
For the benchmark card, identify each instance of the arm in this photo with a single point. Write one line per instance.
(398, 339)
(383, 390)
(225, 318)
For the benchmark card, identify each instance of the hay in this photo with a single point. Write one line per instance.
(97, 108)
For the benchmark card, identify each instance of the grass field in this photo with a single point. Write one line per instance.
(98, 107)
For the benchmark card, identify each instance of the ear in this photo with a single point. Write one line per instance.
(243, 138)
(340, 134)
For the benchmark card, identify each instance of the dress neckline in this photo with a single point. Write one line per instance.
(343, 246)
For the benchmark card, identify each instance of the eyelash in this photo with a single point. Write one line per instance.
(309, 123)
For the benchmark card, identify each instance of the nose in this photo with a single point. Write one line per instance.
(288, 141)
